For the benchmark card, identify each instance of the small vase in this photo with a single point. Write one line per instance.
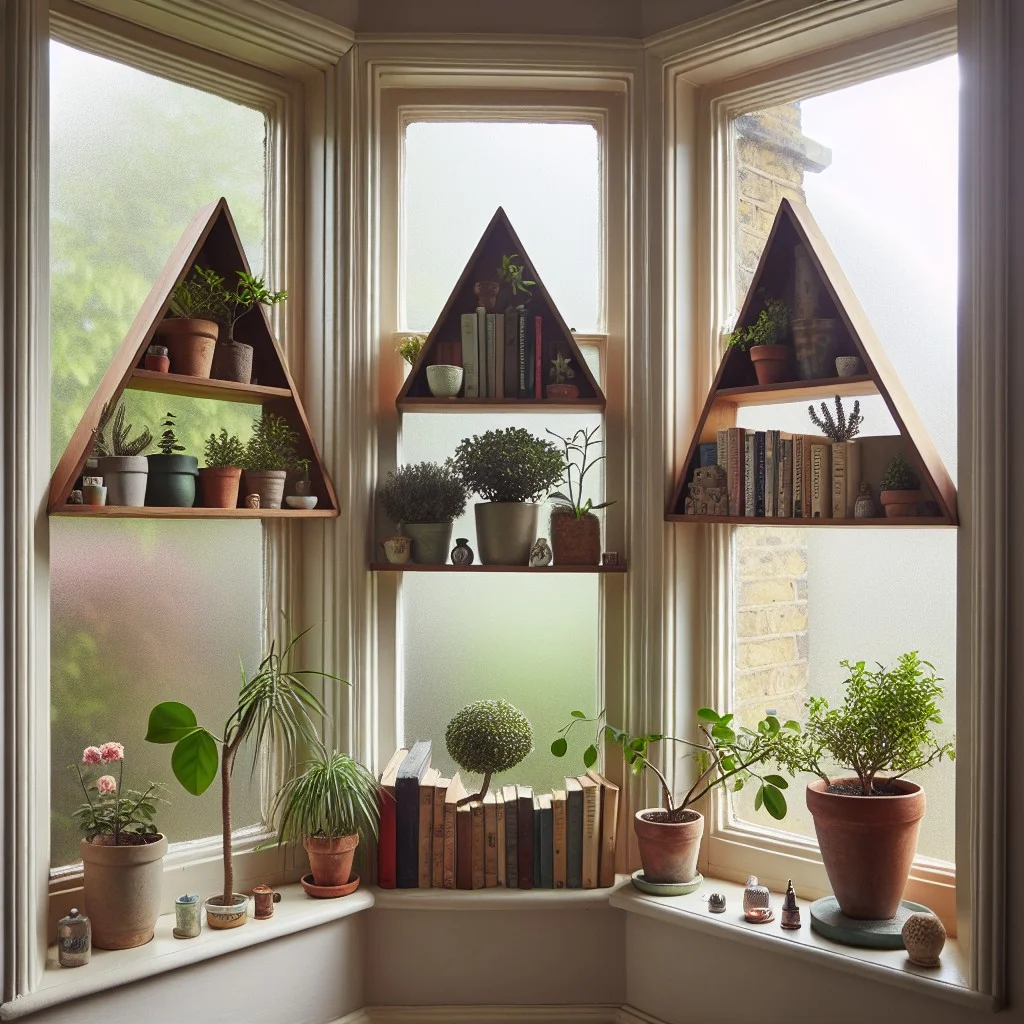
(188, 921)
(462, 553)
(864, 507)
(397, 549)
(849, 366)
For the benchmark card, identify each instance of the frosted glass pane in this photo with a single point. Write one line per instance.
(546, 176)
(144, 611)
(132, 157)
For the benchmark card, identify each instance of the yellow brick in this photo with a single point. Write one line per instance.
(760, 684)
(755, 653)
(787, 618)
(766, 592)
(766, 563)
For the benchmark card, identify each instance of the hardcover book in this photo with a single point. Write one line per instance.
(425, 841)
(499, 802)
(547, 842)
(490, 352)
(456, 791)
(490, 841)
(524, 820)
(508, 794)
(499, 355)
(481, 348)
(386, 877)
(470, 350)
(464, 847)
(749, 475)
(591, 831)
(526, 356)
(609, 829)
(573, 834)
(407, 814)
(821, 481)
(538, 881)
(511, 388)
(734, 471)
(558, 856)
(437, 843)
(479, 843)
(707, 454)
(538, 350)
(759, 456)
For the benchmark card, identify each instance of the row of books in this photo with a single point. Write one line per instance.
(772, 474)
(501, 354)
(433, 836)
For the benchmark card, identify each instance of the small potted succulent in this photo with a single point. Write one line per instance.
(172, 476)
(513, 288)
(190, 330)
(233, 359)
(575, 530)
(510, 469)
(900, 489)
(561, 371)
(220, 479)
(329, 807)
(120, 458)
(487, 737)
(122, 851)
(269, 454)
(424, 500)
(765, 341)
(302, 487)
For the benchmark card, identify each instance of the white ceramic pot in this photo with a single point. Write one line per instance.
(444, 380)
(125, 477)
(306, 501)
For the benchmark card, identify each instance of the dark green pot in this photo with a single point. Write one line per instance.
(172, 481)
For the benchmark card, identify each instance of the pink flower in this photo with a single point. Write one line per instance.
(112, 751)
(92, 755)
(106, 784)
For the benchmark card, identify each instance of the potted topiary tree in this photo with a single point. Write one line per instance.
(220, 479)
(269, 454)
(900, 489)
(575, 530)
(510, 469)
(424, 500)
(172, 476)
(867, 822)
(233, 359)
(765, 339)
(120, 458)
(189, 331)
(486, 737)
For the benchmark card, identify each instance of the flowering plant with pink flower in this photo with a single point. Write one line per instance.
(110, 810)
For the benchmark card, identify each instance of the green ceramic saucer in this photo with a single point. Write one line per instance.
(666, 888)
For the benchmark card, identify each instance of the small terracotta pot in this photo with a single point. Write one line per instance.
(770, 362)
(668, 850)
(867, 845)
(575, 541)
(562, 392)
(190, 344)
(900, 504)
(233, 361)
(331, 859)
(219, 485)
(158, 364)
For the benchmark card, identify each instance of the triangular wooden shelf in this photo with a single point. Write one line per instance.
(210, 240)
(736, 384)
(499, 239)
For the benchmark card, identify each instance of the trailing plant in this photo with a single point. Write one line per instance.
(899, 475)
(560, 370)
(513, 284)
(840, 428)
(410, 346)
(274, 707)
(488, 736)
(223, 449)
(508, 465)
(883, 725)
(725, 756)
(119, 442)
(271, 444)
(168, 443)
(770, 328)
(577, 462)
(426, 492)
(199, 296)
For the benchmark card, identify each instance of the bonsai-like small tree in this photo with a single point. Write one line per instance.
(271, 444)
(425, 492)
(577, 461)
(509, 465)
(119, 442)
(223, 450)
(168, 443)
(840, 428)
(899, 476)
(486, 737)
(770, 327)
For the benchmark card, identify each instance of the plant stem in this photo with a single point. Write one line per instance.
(117, 803)
(227, 764)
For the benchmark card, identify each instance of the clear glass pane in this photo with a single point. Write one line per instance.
(877, 165)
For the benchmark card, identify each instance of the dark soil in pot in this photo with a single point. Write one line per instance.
(171, 482)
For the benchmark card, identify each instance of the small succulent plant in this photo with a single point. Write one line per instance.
(168, 443)
(839, 428)
(119, 440)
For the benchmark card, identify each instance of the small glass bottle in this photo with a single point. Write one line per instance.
(74, 939)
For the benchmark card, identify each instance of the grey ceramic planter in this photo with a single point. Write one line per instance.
(430, 542)
(505, 531)
(125, 477)
(268, 484)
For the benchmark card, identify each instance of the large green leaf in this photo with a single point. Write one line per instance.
(774, 802)
(708, 714)
(170, 722)
(559, 747)
(777, 780)
(590, 756)
(194, 761)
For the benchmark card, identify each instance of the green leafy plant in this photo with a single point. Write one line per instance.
(883, 725)
(410, 346)
(508, 465)
(839, 428)
(113, 435)
(426, 492)
(302, 468)
(199, 296)
(726, 756)
(488, 736)
(513, 285)
(560, 370)
(271, 444)
(770, 328)
(577, 462)
(899, 476)
(168, 443)
(223, 449)
(274, 707)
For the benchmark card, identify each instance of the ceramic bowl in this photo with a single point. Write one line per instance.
(301, 501)
(849, 366)
(444, 380)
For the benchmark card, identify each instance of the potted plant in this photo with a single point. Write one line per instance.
(510, 469)
(575, 530)
(233, 359)
(122, 851)
(866, 821)
(220, 479)
(559, 373)
(424, 500)
(330, 806)
(269, 454)
(274, 707)
(487, 737)
(190, 328)
(410, 347)
(120, 459)
(513, 288)
(302, 487)
(172, 476)
(668, 837)
(765, 339)
(900, 489)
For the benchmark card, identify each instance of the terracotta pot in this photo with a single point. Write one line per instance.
(814, 346)
(122, 890)
(562, 392)
(268, 484)
(770, 362)
(218, 486)
(668, 850)
(331, 859)
(430, 542)
(575, 541)
(505, 531)
(190, 344)
(867, 845)
(900, 504)
(233, 361)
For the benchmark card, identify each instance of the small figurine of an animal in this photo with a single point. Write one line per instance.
(541, 553)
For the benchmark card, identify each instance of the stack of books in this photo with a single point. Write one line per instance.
(502, 354)
(433, 836)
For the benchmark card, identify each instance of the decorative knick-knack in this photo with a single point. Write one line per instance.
(864, 507)
(790, 910)
(398, 549)
(188, 918)
(265, 898)
(93, 491)
(486, 293)
(924, 936)
(157, 359)
(462, 553)
(252, 501)
(74, 939)
(757, 906)
(541, 553)
(716, 903)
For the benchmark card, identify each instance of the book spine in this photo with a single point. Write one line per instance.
(448, 879)
(500, 814)
(538, 878)
(759, 455)
(787, 479)
(463, 848)
(437, 844)
(499, 355)
(707, 454)
(471, 382)
(490, 842)
(734, 472)
(491, 381)
(821, 499)
(807, 478)
(749, 476)
(723, 449)
(524, 853)
(476, 810)
(521, 352)
(386, 841)
(839, 480)
(511, 844)
(481, 350)
(538, 351)
(511, 355)
(769, 473)
(798, 474)
(547, 846)
(591, 835)
(853, 450)
(407, 830)
(574, 840)
(558, 817)
(425, 841)
(609, 836)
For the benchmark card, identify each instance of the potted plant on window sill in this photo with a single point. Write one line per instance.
(219, 480)
(232, 359)
(172, 476)
(510, 469)
(120, 458)
(424, 500)
(190, 329)
(765, 341)
(269, 454)
(575, 530)
(559, 374)
(274, 707)
(302, 495)
(900, 489)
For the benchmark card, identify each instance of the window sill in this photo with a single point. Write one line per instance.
(948, 981)
(496, 899)
(110, 968)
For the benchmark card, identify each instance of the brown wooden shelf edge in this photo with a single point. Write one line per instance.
(536, 570)
(499, 404)
(156, 512)
(877, 521)
(797, 390)
(204, 387)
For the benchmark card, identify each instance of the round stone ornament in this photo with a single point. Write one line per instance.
(924, 936)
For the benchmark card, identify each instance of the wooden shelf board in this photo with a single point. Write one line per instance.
(411, 567)
(204, 387)
(878, 521)
(156, 512)
(798, 390)
(499, 405)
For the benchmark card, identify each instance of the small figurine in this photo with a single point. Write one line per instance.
(541, 553)
(252, 501)
(864, 507)
(74, 939)
(265, 900)
(924, 936)
(757, 907)
(790, 910)
(188, 921)
(462, 553)
(716, 903)
(75, 497)
(610, 558)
